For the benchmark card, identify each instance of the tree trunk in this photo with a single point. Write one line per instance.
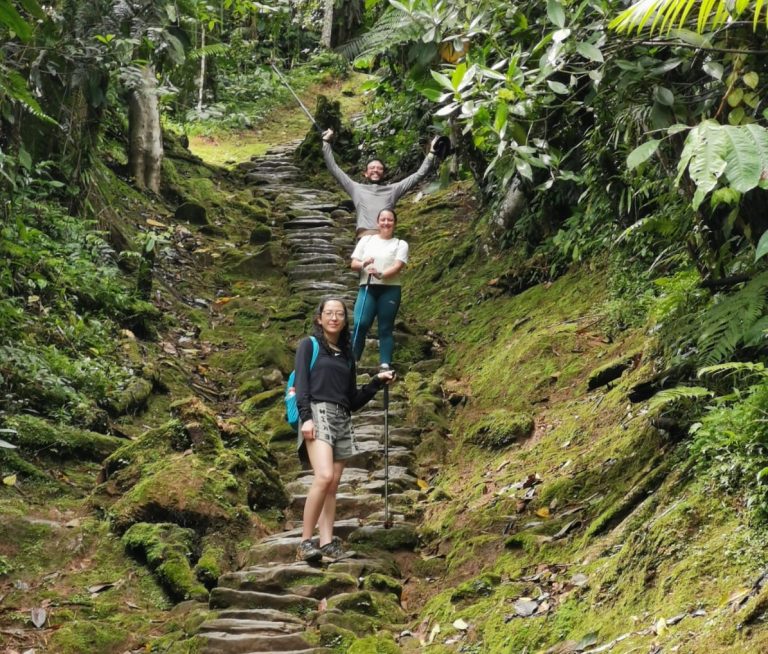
(145, 152)
(202, 73)
(326, 39)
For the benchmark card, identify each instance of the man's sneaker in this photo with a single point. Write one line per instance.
(308, 551)
(384, 367)
(334, 549)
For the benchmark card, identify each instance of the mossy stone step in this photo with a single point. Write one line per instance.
(298, 578)
(400, 536)
(308, 286)
(220, 642)
(224, 598)
(269, 615)
(347, 505)
(262, 627)
(306, 223)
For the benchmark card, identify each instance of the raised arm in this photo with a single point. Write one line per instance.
(338, 174)
(403, 186)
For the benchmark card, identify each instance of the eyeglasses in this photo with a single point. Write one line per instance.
(333, 314)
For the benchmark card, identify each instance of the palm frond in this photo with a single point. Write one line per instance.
(663, 16)
(14, 86)
(392, 27)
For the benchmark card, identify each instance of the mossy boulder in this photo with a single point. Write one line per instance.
(261, 400)
(380, 643)
(383, 584)
(260, 234)
(132, 398)
(500, 428)
(197, 471)
(378, 605)
(57, 440)
(399, 537)
(167, 549)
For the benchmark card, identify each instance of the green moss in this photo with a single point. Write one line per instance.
(57, 440)
(381, 643)
(500, 428)
(167, 550)
(260, 400)
(480, 586)
(89, 637)
(383, 584)
(209, 566)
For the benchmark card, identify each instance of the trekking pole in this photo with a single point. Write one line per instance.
(293, 93)
(362, 306)
(387, 521)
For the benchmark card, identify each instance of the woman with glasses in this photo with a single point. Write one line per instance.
(380, 258)
(326, 394)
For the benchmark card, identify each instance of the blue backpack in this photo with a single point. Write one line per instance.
(291, 407)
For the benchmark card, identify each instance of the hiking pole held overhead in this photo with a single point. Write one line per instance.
(387, 521)
(293, 93)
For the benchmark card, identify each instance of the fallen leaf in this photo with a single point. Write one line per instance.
(131, 605)
(543, 512)
(433, 633)
(460, 625)
(422, 484)
(660, 627)
(322, 606)
(10, 480)
(38, 616)
(156, 223)
(525, 606)
(99, 588)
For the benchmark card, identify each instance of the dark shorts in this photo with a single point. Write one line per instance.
(333, 425)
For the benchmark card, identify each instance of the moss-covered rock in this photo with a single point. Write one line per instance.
(500, 428)
(168, 549)
(260, 234)
(383, 584)
(57, 440)
(481, 586)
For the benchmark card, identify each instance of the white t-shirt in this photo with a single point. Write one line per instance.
(384, 252)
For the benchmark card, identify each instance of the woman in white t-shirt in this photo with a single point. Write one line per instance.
(380, 258)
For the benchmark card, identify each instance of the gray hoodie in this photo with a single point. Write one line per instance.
(370, 199)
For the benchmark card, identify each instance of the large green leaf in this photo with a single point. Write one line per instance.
(744, 164)
(762, 246)
(705, 155)
(642, 153)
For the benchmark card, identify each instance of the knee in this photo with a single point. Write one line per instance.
(324, 479)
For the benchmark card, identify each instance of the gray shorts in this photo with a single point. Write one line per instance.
(333, 425)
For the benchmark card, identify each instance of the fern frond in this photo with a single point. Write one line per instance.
(662, 398)
(210, 50)
(732, 367)
(392, 27)
(728, 322)
(15, 87)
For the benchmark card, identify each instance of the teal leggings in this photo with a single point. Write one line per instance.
(381, 302)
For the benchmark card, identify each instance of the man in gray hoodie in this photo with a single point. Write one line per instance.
(370, 199)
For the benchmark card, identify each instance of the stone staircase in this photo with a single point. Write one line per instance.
(276, 604)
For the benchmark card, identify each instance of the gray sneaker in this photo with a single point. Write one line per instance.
(334, 549)
(308, 551)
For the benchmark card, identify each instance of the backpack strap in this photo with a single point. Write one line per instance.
(315, 352)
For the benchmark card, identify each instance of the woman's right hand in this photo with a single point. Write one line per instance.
(308, 430)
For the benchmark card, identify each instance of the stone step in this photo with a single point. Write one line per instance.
(262, 627)
(297, 578)
(224, 598)
(220, 642)
(270, 615)
(348, 505)
(308, 223)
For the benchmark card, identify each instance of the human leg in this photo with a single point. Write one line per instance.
(321, 458)
(364, 313)
(387, 306)
(328, 515)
